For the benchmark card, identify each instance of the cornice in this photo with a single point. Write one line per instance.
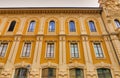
(39, 10)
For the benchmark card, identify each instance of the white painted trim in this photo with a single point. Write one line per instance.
(101, 48)
(48, 32)
(73, 33)
(93, 33)
(78, 50)
(54, 50)
(6, 49)
(23, 48)
(28, 25)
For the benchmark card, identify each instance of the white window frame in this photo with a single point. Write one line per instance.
(84, 76)
(49, 25)
(51, 33)
(72, 33)
(6, 48)
(93, 33)
(23, 49)
(78, 50)
(74, 24)
(47, 48)
(101, 49)
(29, 26)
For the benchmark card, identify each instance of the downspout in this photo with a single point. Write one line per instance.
(111, 41)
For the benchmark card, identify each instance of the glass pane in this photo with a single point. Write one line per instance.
(117, 23)
(31, 26)
(24, 49)
(20, 73)
(3, 49)
(12, 25)
(72, 73)
(104, 73)
(92, 26)
(51, 26)
(72, 26)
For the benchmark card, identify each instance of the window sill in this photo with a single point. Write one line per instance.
(100, 58)
(30, 33)
(51, 33)
(49, 58)
(9, 33)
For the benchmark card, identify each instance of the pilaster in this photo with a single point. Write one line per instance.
(62, 73)
(62, 25)
(102, 25)
(116, 44)
(10, 62)
(90, 72)
(36, 60)
(4, 19)
(41, 27)
(22, 24)
(82, 26)
(111, 52)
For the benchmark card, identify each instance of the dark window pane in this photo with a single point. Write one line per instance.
(49, 73)
(12, 25)
(104, 73)
(76, 73)
(21, 73)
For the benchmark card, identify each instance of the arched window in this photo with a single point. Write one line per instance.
(72, 26)
(76, 73)
(21, 73)
(51, 26)
(31, 26)
(117, 22)
(92, 26)
(104, 73)
(49, 73)
(12, 26)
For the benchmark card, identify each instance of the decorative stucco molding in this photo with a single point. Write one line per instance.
(22, 64)
(102, 65)
(49, 64)
(76, 65)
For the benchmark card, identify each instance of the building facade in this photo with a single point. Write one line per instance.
(60, 42)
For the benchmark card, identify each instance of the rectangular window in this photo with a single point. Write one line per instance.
(21, 73)
(74, 50)
(3, 48)
(76, 73)
(50, 50)
(26, 49)
(49, 73)
(104, 73)
(98, 50)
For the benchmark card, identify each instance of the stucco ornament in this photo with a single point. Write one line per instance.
(111, 4)
(111, 7)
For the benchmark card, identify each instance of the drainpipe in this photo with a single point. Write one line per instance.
(111, 41)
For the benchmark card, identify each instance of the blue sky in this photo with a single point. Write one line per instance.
(49, 3)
